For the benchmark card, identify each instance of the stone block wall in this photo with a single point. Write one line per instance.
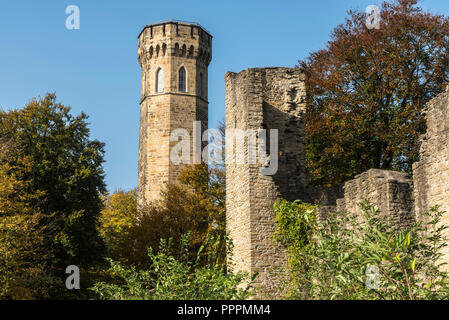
(431, 173)
(390, 191)
(325, 197)
(269, 98)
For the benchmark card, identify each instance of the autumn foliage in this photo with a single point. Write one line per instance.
(51, 182)
(23, 258)
(196, 205)
(368, 88)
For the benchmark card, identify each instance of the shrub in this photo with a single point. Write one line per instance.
(363, 257)
(175, 277)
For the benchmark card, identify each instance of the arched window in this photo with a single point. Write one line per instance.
(183, 50)
(159, 80)
(182, 80)
(200, 85)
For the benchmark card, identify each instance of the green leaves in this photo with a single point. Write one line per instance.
(60, 174)
(413, 265)
(175, 278)
(296, 222)
(333, 264)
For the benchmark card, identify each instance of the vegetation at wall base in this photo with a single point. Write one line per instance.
(176, 277)
(362, 257)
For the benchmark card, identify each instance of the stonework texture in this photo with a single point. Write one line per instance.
(431, 173)
(326, 199)
(269, 98)
(390, 191)
(169, 46)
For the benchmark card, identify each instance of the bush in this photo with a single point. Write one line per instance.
(362, 257)
(175, 277)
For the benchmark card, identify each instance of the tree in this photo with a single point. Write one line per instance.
(195, 204)
(64, 167)
(117, 218)
(367, 91)
(23, 258)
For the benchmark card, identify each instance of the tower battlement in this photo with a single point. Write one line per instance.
(175, 39)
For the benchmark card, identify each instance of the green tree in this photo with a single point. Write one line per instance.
(23, 258)
(65, 166)
(117, 218)
(367, 90)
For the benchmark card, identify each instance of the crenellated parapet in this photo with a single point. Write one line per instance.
(174, 39)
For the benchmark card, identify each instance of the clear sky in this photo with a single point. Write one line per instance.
(95, 69)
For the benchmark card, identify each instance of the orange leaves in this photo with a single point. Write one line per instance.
(196, 204)
(366, 91)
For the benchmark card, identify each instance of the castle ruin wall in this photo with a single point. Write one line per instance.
(390, 191)
(431, 173)
(269, 98)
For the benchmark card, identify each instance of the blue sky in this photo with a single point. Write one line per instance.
(95, 69)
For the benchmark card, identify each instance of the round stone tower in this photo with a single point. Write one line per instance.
(174, 57)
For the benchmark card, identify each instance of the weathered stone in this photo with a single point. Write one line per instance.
(169, 46)
(325, 197)
(390, 191)
(269, 98)
(431, 173)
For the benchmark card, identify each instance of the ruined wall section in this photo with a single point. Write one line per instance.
(269, 98)
(390, 191)
(431, 173)
(326, 199)
(238, 219)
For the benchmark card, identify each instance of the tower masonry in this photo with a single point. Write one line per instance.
(174, 57)
(263, 99)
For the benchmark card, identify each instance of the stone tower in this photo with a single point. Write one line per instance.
(265, 98)
(174, 57)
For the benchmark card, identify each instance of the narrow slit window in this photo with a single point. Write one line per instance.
(182, 80)
(159, 80)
